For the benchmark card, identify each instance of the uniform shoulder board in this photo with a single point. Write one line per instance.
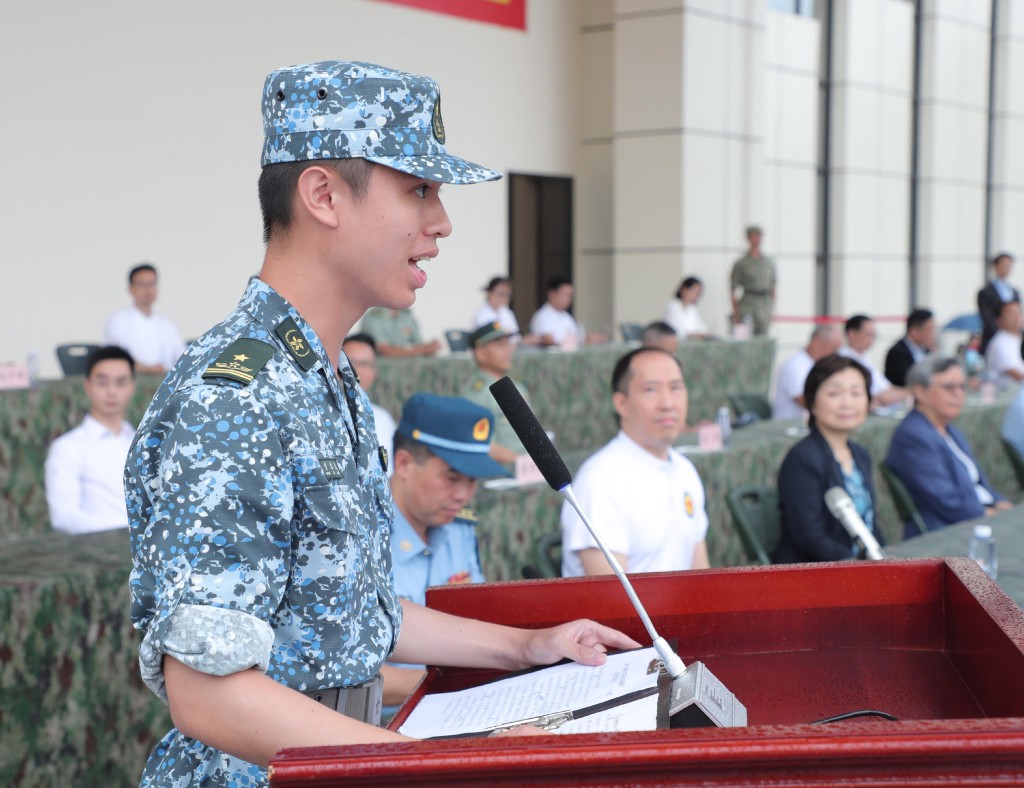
(478, 384)
(240, 361)
(466, 516)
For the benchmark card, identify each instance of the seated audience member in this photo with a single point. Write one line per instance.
(496, 309)
(361, 350)
(396, 332)
(433, 541)
(1004, 349)
(644, 498)
(931, 457)
(493, 352)
(553, 324)
(917, 343)
(997, 292)
(681, 312)
(1013, 423)
(152, 340)
(85, 467)
(836, 393)
(789, 386)
(661, 335)
(860, 337)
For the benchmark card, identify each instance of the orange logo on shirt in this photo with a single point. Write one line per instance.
(459, 578)
(482, 429)
(688, 504)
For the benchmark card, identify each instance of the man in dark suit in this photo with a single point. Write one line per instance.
(993, 295)
(917, 343)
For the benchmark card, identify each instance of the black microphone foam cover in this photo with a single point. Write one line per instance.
(536, 442)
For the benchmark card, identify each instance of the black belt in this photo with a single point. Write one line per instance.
(360, 702)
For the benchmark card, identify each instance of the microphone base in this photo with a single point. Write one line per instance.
(700, 700)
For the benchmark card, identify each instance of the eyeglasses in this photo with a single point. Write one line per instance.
(952, 388)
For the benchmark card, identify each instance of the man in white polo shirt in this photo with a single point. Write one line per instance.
(84, 467)
(644, 498)
(860, 338)
(151, 339)
(1003, 354)
(789, 385)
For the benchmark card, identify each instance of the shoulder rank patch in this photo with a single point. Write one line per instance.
(466, 516)
(296, 343)
(242, 359)
(478, 384)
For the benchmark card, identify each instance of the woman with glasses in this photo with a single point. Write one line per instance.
(931, 456)
(836, 393)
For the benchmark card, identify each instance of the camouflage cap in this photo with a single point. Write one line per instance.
(343, 110)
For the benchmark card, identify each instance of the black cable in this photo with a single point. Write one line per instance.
(851, 714)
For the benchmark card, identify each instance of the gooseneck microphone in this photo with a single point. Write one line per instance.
(692, 687)
(841, 505)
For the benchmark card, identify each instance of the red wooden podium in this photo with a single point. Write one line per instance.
(933, 642)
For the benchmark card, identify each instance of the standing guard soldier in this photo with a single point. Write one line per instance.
(754, 276)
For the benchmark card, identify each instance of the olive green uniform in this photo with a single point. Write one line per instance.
(392, 327)
(756, 275)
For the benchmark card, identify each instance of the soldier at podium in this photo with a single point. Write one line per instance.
(260, 512)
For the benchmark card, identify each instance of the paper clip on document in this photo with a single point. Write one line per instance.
(548, 722)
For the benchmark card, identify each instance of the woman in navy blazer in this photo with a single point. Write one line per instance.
(946, 488)
(836, 394)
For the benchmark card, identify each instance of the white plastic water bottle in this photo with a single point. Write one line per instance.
(983, 549)
(724, 424)
(32, 365)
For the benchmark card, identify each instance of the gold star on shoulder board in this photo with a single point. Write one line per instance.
(241, 357)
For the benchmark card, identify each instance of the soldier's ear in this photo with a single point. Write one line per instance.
(317, 197)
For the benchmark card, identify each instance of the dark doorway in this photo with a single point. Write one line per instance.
(540, 238)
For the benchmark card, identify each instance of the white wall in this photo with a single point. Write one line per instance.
(792, 110)
(132, 132)
(871, 163)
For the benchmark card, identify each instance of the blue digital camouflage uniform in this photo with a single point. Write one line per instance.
(260, 520)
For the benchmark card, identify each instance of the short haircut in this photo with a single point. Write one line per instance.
(686, 284)
(138, 269)
(999, 256)
(622, 373)
(825, 368)
(918, 318)
(109, 353)
(822, 330)
(856, 323)
(923, 371)
(366, 339)
(419, 450)
(659, 329)
(278, 183)
(556, 282)
(495, 281)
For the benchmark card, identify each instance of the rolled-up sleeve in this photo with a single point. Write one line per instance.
(210, 500)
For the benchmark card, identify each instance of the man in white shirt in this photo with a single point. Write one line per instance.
(644, 498)
(554, 325)
(361, 350)
(151, 339)
(860, 337)
(789, 387)
(1003, 353)
(85, 467)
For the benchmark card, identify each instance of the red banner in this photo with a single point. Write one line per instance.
(508, 13)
